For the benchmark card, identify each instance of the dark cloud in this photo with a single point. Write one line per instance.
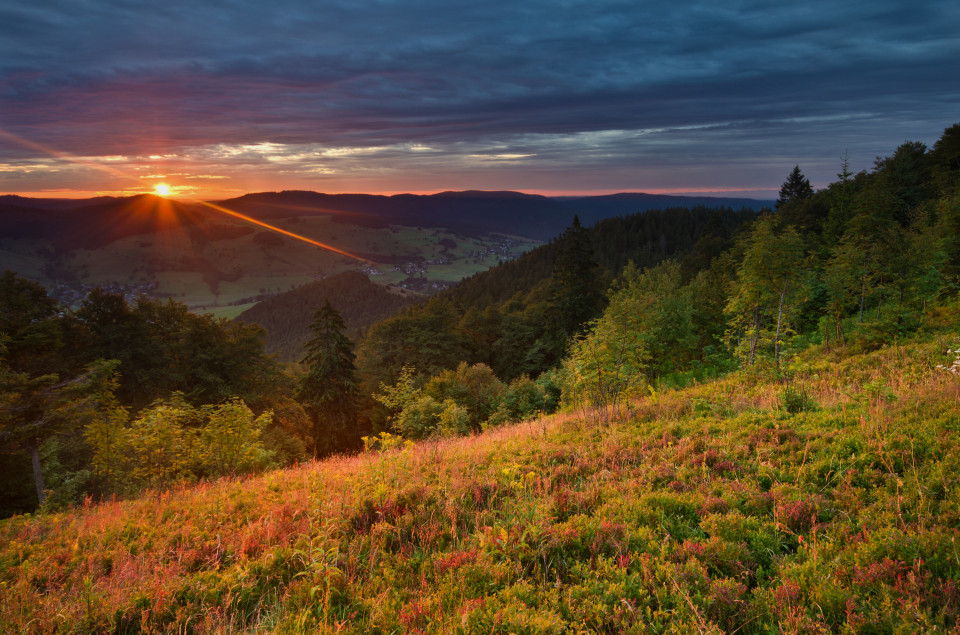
(687, 85)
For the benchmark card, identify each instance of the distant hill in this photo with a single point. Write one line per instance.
(471, 212)
(595, 208)
(92, 223)
(287, 316)
(53, 203)
(206, 258)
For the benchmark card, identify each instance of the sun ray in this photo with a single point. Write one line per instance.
(273, 228)
(219, 208)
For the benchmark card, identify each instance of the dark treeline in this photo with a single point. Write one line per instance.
(517, 317)
(645, 239)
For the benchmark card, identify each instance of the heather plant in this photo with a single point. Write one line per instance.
(711, 508)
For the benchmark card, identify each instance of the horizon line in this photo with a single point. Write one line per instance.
(79, 195)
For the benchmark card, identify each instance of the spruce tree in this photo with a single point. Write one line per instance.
(796, 188)
(575, 295)
(577, 280)
(329, 390)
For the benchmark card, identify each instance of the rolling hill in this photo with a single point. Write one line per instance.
(215, 262)
(472, 212)
(287, 316)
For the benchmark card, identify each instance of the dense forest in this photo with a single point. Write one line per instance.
(518, 317)
(117, 397)
(698, 292)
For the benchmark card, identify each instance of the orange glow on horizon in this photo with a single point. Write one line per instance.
(163, 190)
(233, 193)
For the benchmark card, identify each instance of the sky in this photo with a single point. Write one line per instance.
(223, 97)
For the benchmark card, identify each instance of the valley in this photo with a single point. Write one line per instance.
(217, 263)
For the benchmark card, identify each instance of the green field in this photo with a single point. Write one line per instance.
(222, 262)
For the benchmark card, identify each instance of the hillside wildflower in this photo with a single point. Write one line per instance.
(385, 442)
(955, 366)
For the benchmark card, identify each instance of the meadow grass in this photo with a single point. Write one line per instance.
(820, 499)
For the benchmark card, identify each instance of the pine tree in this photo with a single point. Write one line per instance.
(576, 292)
(796, 188)
(329, 390)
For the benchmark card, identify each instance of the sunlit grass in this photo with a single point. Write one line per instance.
(733, 505)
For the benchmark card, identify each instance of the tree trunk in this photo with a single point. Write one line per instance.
(38, 474)
(776, 339)
(756, 333)
(863, 294)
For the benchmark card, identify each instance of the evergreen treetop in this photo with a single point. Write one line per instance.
(796, 188)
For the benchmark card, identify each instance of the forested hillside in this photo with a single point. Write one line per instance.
(645, 238)
(469, 212)
(286, 317)
(116, 396)
(517, 318)
(856, 263)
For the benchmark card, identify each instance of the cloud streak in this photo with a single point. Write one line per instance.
(611, 94)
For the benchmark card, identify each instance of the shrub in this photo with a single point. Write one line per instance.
(795, 401)
(420, 418)
(474, 388)
(523, 398)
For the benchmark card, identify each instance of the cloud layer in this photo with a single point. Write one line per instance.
(429, 94)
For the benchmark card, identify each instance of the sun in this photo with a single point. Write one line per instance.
(162, 189)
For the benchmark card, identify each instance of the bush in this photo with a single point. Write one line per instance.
(523, 399)
(474, 388)
(795, 400)
(385, 442)
(420, 418)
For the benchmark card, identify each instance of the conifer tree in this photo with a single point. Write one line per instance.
(577, 277)
(576, 293)
(796, 188)
(329, 390)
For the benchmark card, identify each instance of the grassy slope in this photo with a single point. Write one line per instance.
(705, 509)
